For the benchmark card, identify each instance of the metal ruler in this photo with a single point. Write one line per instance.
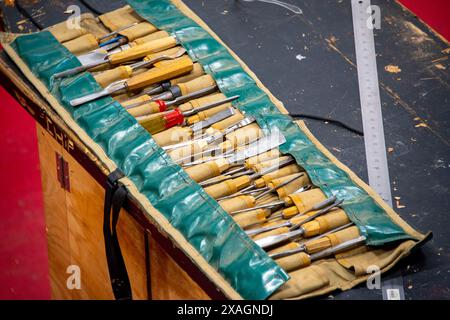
(372, 117)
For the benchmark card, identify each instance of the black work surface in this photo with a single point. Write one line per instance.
(308, 62)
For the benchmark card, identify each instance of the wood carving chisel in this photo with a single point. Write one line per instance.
(154, 75)
(159, 122)
(107, 77)
(294, 233)
(134, 53)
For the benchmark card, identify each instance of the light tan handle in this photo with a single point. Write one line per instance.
(266, 156)
(290, 212)
(206, 114)
(63, 33)
(222, 125)
(245, 135)
(141, 99)
(172, 136)
(332, 240)
(200, 83)
(207, 170)
(82, 44)
(237, 203)
(322, 224)
(142, 50)
(197, 71)
(107, 77)
(228, 187)
(138, 31)
(291, 187)
(145, 109)
(154, 75)
(294, 262)
(286, 247)
(195, 103)
(250, 218)
(151, 37)
(304, 201)
(259, 167)
(285, 171)
(187, 151)
(274, 232)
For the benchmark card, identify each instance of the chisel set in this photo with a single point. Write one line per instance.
(243, 164)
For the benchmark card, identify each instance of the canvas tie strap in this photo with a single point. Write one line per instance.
(114, 199)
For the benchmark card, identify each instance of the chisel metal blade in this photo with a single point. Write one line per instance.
(277, 239)
(120, 85)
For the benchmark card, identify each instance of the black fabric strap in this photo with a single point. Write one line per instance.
(114, 199)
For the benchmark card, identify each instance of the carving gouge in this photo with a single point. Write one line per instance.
(159, 122)
(124, 72)
(154, 75)
(215, 167)
(265, 190)
(334, 219)
(196, 72)
(302, 259)
(213, 138)
(197, 84)
(120, 45)
(200, 126)
(304, 245)
(161, 106)
(255, 175)
(277, 239)
(98, 58)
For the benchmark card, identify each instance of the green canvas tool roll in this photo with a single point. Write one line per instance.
(178, 205)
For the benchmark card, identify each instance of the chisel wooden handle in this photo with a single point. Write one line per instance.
(290, 212)
(187, 151)
(245, 135)
(305, 201)
(228, 187)
(291, 187)
(107, 77)
(195, 103)
(266, 156)
(250, 218)
(142, 99)
(172, 136)
(197, 84)
(154, 75)
(197, 71)
(237, 203)
(150, 37)
(142, 50)
(206, 114)
(149, 108)
(322, 224)
(222, 125)
(259, 167)
(286, 247)
(285, 171)
(82, 44)
(207, 170)
(295, 261)
(332, 240)
(138, 31)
